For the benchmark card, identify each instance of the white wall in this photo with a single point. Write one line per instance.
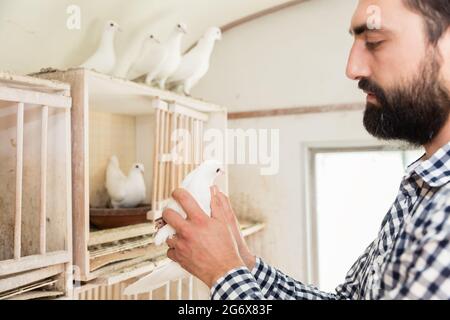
(296, 57)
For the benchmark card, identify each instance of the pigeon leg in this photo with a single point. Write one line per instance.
(162, 84)
(188, 87)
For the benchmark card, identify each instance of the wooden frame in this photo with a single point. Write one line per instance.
(93, 256)
(18, 274)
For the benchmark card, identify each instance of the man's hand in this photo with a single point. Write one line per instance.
(230, 218)
(204, 246)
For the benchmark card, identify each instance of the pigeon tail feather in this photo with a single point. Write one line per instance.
(159, 277)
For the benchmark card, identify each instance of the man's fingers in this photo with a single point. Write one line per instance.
(225, 201)
(171, 254)
(216, 205)
(188, 203)
(171, 242)
(172, 218)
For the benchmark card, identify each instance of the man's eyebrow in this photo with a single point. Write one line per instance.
(360, 29)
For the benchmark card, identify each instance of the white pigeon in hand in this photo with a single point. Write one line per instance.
(149, 60)
(104, 58)
(125, 191)
(198, 184)
(173, 57)
(195, 64)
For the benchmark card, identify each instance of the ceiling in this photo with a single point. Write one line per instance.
(34, 33)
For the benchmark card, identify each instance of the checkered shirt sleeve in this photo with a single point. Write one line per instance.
(264, 282)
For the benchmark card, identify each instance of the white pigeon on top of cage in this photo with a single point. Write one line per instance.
(195, 64)
(198, 184)
(150, 59)
(125, 191)
(104, 58)
(172, 47)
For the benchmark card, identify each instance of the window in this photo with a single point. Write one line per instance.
(354, 190)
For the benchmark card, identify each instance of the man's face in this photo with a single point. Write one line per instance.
(405, 77)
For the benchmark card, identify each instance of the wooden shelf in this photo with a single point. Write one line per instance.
(121, 96)
(158, 257)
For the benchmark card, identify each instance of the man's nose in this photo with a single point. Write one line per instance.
(358, 65)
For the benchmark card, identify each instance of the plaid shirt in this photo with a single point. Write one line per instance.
(409, 259)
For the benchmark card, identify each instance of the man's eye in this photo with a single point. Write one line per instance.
(373, 45)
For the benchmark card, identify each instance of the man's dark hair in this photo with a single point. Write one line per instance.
(436, 14)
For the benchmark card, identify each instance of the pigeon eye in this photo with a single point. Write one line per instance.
(111, 24)
(137, 167)
(218, 170)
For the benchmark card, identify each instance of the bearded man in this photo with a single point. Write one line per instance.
(403, 65)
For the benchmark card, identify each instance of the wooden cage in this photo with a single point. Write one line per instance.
(112, 116)
(35, 188)
(187, 288)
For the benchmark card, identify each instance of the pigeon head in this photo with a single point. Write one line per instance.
(214, 34)
(138, 167)
(212, 169)
(181, 27)
(112, 26)
(152, 38)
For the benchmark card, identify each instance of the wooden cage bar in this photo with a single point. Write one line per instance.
(33, 271)
(43, 211)
(19, 180)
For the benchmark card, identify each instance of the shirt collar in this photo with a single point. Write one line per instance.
(436, 170)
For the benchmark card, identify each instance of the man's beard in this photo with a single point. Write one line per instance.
(414, 112)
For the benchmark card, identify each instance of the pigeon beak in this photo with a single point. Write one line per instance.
(222, 172)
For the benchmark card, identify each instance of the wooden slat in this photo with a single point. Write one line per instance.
(174, 126)
(37, 98)
(111, 235)
(13, 294)
(167, 151)
(156, 160)
(201, 132)
(167, 296)
(101, 261)
(69, 277)
(180, 289)
(36, 84)
(252, 229)
(187, 112)
(107, 270)
(19, 180)
(160, 185)
(259, 14)
(192, 145)
(126, 273)
(190, 287)
(43, 211)
(37, 295)
(33, 262)
(295, 111)
(18, 281)
(128, 245)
